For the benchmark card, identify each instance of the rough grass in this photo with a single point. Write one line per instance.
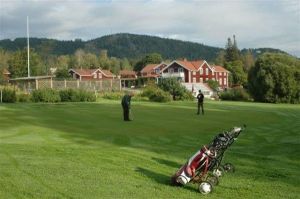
(85, 150)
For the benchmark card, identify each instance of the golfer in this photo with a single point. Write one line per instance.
(126, 106)
(200, 98)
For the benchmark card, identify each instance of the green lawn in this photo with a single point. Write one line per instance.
(85, 150)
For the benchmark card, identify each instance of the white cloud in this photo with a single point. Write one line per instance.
(256, 23)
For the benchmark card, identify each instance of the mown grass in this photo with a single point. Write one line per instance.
(85, 150)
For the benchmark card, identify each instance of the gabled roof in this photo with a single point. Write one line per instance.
(220, 69)
(107, 73)
(189, 65)
(84, 72)
(90, 72)
(150, 67)
(127, 72)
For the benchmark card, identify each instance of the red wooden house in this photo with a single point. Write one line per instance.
(127, 74)
(198, 71)
(91, 74)
(152, 70)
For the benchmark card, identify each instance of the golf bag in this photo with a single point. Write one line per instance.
(208, 158)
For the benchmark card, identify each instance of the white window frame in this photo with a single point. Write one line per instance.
(95, 76)
(180, 70)
(201, 71)
(194, 80)
(206, 71)
(201, 79)
(171, 70)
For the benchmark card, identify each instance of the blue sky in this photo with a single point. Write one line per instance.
(256, 23)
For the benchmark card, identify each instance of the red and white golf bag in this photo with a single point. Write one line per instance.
(199, 162)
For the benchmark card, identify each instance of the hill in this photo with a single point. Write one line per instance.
(122, 45)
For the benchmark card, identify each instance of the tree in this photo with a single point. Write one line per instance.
(63, 62)
(90, 60)
(153, 58)
(79, 54)
(220, 60)
(18, 64)
(1, 75)
(232, 52)
(213, 84)
(62, 73)
(237, 74)
(248, 60)
(275, 78)
(173, 86)
(104, 61)
(4, 57)
(124, 64)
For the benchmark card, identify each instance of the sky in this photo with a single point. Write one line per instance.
(256, 23)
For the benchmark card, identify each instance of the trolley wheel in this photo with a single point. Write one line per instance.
(213, 180)
(228, 167)
(205, 187)
(218, 172)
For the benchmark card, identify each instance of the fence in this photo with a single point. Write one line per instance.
(102, 85)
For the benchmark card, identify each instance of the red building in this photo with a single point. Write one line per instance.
(127, 74)
(91, 74)
(152, 70)
(196, 72)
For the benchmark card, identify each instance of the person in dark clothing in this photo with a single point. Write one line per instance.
(126, 106)
(200, 98)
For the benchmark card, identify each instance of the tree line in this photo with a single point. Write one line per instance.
(269, 77)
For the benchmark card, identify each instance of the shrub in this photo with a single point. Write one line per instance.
(85, 96)
(235, 94)
(187, 96)
(174, 87)
(112, 95)
(9, 95)
(140, 97)
(23, 97)
(68, 95)
(155, 94)
(45, 95)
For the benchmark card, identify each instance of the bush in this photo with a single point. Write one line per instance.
(112, 95)
(23, 97)
(187, 96)
(45, 95)
(174, 87)
(68, 95)
(235, 94)
(155, 94)
(140, 97)
(85, 96)
(9, 95)
(71, 95)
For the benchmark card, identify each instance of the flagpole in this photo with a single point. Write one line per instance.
(28, 64)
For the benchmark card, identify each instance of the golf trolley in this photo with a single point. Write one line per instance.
(205, 166)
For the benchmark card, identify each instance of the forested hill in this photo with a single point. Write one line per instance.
(132, 46)
(122, 45)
